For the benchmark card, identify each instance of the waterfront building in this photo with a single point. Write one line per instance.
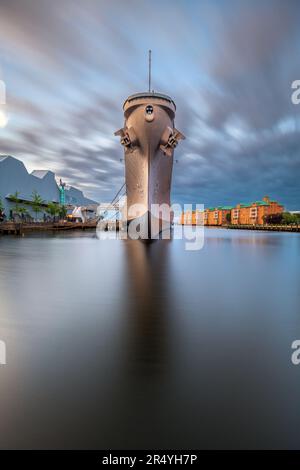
(192, 218)
(255, 212)
(218, 215)
(224, 215)
(187, 218)
(15, 177)
(210, 216)
(243, 214)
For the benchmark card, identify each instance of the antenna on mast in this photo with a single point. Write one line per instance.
(150, 70)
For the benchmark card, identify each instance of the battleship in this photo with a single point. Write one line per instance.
(149, 137)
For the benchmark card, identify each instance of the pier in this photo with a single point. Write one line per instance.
(18, 228)
(270, 228)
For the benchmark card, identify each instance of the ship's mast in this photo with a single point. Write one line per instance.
(149, 70)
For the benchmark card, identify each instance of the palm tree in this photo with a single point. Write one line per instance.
(53, 209)
(36, 203)
(15, 198)
(62, 211)
(22, 211)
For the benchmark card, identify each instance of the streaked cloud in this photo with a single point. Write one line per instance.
(229, 65)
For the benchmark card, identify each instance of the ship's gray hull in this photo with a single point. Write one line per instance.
(149, 138)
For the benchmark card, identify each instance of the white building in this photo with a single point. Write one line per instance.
(14, 177)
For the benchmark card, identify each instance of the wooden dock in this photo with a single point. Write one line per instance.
(270, 228)
(15, 228)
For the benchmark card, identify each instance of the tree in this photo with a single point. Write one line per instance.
(273, 219)
(36, 203)
(53, 209)
(15, 197)
(16, 209)
(290, 219)
(228, 217)
(285, 218)
(62, 211)
(22, 211)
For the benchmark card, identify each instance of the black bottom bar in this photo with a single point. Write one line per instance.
(133, 459)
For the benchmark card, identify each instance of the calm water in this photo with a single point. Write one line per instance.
(117, 344)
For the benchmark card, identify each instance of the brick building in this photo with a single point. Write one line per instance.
(243, 214)
(255, 212)
(211, 216)
(192, 218)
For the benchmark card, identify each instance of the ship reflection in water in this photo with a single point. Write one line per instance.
(118, 344)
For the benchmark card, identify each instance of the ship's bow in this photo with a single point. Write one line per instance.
(149, 138)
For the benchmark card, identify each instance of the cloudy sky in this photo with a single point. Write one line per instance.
(69, 65)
